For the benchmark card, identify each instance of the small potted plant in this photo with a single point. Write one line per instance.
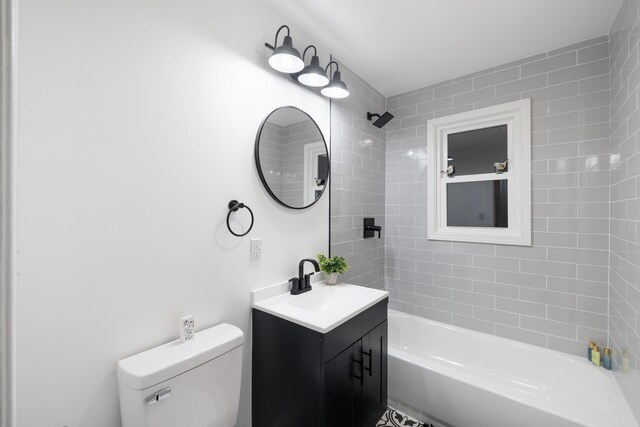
(331, 267)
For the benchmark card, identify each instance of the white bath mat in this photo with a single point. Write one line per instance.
(393, 418)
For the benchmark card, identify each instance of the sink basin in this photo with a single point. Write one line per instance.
(321, 298)
(321, 309)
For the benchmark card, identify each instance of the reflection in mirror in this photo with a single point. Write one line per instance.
(477, 204)
(476, 151)
(292, 158)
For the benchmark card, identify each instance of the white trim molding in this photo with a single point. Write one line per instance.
(7, 206)
(517, 118)
(311, 153)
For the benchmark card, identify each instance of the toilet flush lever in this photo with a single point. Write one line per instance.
(158, 396)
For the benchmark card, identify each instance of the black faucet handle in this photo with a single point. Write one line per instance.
(307, 280)
(295, 285)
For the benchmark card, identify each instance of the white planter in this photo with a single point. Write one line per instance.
(331, 278)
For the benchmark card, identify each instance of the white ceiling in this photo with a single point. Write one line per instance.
(401, 45)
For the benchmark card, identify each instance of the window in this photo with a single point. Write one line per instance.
(479, 175)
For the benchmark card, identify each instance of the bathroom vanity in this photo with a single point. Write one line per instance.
(320, 360)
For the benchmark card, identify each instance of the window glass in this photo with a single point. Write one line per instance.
(477, 204)
(476, 151)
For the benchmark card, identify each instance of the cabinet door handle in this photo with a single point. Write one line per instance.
(361, 377)
(369, 369)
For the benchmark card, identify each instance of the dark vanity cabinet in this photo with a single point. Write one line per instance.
(301, 377)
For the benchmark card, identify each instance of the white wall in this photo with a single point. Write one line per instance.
(136, 125)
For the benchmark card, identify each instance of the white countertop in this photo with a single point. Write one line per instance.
(322, 309)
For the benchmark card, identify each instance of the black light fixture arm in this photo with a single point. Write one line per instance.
(372, 115)
(275, 42)
(315, 51)
(329, 65)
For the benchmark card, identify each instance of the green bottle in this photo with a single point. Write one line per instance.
(595, 355)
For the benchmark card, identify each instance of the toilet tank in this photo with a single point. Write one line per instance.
(192, 384)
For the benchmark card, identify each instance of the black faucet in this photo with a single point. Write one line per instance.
(302, 283)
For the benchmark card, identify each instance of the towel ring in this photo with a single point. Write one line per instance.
(234, 206)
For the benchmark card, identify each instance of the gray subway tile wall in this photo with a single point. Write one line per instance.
(271, 162)
(624, 283)
(282, 158)
(295, 136)
(357, 181)
(554, 293)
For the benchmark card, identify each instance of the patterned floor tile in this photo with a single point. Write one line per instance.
(393, 418)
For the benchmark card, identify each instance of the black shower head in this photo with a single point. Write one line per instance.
(382, 119)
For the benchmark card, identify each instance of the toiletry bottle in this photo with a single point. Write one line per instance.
(626, 365)
(595, 355)
(606, 359)
(591, 344)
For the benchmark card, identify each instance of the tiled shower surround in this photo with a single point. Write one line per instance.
(554, 293)
(624, 290)
(580, 280)
(271, 146)
(357, 181)
(294, 138)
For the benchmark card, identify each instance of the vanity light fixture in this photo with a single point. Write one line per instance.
(336, 87)
(285, 58)
(313, 74)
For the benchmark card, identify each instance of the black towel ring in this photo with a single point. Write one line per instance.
(234, 206)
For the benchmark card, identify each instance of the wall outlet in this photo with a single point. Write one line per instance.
(256, 249)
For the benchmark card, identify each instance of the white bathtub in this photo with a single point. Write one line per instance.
(465, 378)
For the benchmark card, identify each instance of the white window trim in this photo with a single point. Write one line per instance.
(517, 116)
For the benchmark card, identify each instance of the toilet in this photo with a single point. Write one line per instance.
(191, 384)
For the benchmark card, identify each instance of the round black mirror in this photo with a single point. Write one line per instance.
(292, 158)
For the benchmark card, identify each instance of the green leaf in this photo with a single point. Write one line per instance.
(335, 264)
